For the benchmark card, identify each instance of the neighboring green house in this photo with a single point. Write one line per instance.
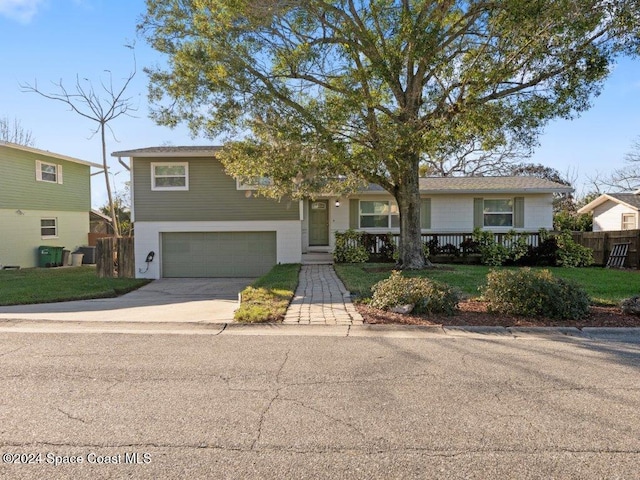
(45, 199)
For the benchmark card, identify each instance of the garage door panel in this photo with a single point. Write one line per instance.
(217, 254)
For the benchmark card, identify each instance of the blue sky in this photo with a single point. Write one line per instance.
(52, 40)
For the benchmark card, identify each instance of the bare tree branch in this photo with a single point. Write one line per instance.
(103, 108)
(13, 132)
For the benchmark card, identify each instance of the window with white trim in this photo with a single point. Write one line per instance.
(48, 227)
(498, 212)
(48, 172)
(628, 221)
(170, 176)
(379, 214)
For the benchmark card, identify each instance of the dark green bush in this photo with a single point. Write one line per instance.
(534, 293)
(426, 295)
(572, 254)
(386, 248)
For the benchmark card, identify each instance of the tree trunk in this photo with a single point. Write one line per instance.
(407, 195)
(114, 219)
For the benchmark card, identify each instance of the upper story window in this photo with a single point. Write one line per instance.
(170, 176)
(628, 221)
(48, 172)
(379, 214)
(254, 183)
(498, 213)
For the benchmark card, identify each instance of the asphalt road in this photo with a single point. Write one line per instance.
(193, 406)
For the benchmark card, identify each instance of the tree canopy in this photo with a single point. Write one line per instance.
(324, 95)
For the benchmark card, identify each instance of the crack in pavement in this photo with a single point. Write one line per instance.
(435, 452)
(273, 399)
(339, 421)
(12, 351)
(72, 417)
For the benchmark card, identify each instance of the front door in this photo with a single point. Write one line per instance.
(319, 223)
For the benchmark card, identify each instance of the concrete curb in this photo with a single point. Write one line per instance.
(623, 334)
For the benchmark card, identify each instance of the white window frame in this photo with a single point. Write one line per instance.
(484, 214)
(55, 227)
(170, 164)
(389, 215)
(629, 225)
(256, 183)
(39, 172)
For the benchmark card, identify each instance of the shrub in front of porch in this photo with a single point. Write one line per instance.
(350, 247)
(419, 294)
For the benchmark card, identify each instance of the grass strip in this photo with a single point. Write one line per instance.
(40, 285)
(267, 299)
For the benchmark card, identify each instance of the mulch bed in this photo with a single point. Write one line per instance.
(474, 313)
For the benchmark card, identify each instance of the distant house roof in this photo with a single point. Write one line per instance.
(47, 153)
(169, 151)
(96, 215)
(486, 185)
(631, 200)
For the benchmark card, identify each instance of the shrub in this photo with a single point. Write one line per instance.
(534, 293)
(387, 247)
(426, 295)
(349, 247)
(577, 222)
(469, 246)
(513, 248)
(572, 254)
(544, 254)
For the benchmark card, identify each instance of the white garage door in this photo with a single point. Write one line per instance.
(218, 254)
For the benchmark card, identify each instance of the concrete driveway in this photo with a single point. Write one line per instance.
(202, 300)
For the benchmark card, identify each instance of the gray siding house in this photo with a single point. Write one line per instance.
(200, 222)
(45, 199)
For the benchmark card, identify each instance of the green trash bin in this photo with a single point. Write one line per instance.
(58, 253)
(46, 256)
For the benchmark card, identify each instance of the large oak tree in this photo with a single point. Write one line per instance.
(326, 94)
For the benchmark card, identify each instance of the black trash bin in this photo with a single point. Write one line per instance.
(89, 255)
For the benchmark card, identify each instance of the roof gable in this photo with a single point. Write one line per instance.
(631, 200)
(46, 153)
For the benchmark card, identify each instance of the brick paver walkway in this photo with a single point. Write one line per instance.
(321, 298)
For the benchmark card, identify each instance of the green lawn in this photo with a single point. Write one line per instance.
(604, 286)
(267, 299)
(42, 285)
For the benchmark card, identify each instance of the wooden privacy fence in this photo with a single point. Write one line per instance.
(115, 257)
(602, 243)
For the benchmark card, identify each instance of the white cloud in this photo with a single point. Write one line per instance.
(21, 10)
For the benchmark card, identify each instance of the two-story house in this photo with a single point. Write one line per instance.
(200, 222)
(45, 199)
